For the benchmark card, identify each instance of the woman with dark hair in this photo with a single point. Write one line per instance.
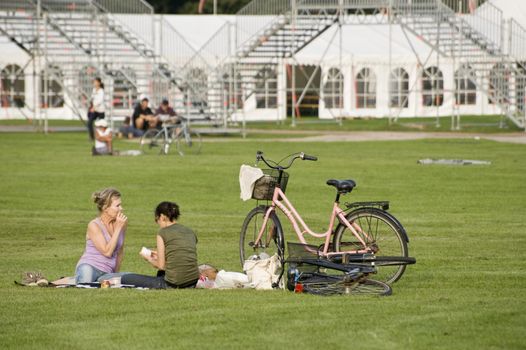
(96, 109)
(176, 254)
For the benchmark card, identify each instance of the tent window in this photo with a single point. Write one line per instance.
(465, 88)
(124, 91)
(333, 89)
(266, 89)
(499, 80)
(366, 89)
(399, 88)
(51, 94)
(85, 87)
(432, 87)
(12, 86)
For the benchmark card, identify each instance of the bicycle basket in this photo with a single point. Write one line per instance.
(264, 186)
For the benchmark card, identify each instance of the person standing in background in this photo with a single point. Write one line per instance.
(96, 108)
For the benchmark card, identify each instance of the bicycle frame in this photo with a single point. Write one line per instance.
(296, 220)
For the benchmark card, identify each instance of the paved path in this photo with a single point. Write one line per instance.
(392, 136)
(352, 136)
(30, 128)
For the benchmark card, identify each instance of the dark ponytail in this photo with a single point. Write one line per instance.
(100, 82)
(168, 209)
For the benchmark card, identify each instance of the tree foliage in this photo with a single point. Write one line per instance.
(191, 6)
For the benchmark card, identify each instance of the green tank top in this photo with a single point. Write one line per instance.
(180, 253)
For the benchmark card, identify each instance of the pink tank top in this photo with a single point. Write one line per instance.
(92, 256)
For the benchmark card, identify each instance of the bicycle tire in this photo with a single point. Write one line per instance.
(153, 141)
(338, 285)
(384, 237)
(189, 142)
(273, 235)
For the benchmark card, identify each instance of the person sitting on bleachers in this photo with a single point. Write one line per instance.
(166, 113)
(143, 118)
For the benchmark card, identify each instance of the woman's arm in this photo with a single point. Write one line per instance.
(95, 235)
(158, 259)
(120, 256)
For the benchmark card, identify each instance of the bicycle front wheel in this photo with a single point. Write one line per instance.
(339, 285)
(189, 142)
(272, 235)
(154, 142)
(381, 234)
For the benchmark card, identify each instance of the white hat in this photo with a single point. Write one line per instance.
(101, 123)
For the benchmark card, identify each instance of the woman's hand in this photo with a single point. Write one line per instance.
(120, 222)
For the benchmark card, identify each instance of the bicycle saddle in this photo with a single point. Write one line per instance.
(343, 186)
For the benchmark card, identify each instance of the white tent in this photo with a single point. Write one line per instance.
(376, 46)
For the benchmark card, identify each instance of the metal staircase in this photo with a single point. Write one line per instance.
(476, 41)
(97, 36)
(88, 38)
(269, 31)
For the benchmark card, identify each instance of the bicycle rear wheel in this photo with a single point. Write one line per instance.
(271, 241)
(381, 234)
(340, 285)
(189, 142)
(154, 142)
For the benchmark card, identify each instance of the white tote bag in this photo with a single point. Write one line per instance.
(262, 273)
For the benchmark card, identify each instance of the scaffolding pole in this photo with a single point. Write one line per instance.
(293, 73)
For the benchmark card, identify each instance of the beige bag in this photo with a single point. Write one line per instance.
(263, 273)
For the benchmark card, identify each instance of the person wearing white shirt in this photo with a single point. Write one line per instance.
(103, 138)
(96, 109)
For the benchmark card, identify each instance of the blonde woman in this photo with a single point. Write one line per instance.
(104, 239)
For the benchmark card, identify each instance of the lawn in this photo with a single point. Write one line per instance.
(470, 123)
(466, 227)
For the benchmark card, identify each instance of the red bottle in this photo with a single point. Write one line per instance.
(298, 288)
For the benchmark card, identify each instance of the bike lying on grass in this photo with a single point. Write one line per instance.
(365, 236)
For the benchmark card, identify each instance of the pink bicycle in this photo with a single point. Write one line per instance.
(365, 232)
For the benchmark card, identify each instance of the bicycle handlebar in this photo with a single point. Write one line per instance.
(307, 157)
(300, 155)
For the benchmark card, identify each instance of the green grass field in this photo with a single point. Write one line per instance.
(466, 227)
(470, 123)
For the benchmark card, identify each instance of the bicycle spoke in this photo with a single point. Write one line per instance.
(381, 235)
(271, 240)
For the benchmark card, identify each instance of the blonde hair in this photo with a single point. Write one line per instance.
(204, 267)
(103, 198)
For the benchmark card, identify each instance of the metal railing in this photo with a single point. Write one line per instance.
(486, 20)
(218, 48)
(173, 46)
(517, 41)
(141, 23)
(256, 16)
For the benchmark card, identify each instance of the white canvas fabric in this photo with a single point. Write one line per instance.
(247, 178)
(229, 280)
(263, 273)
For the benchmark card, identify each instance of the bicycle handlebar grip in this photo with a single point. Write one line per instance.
(307, 157)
